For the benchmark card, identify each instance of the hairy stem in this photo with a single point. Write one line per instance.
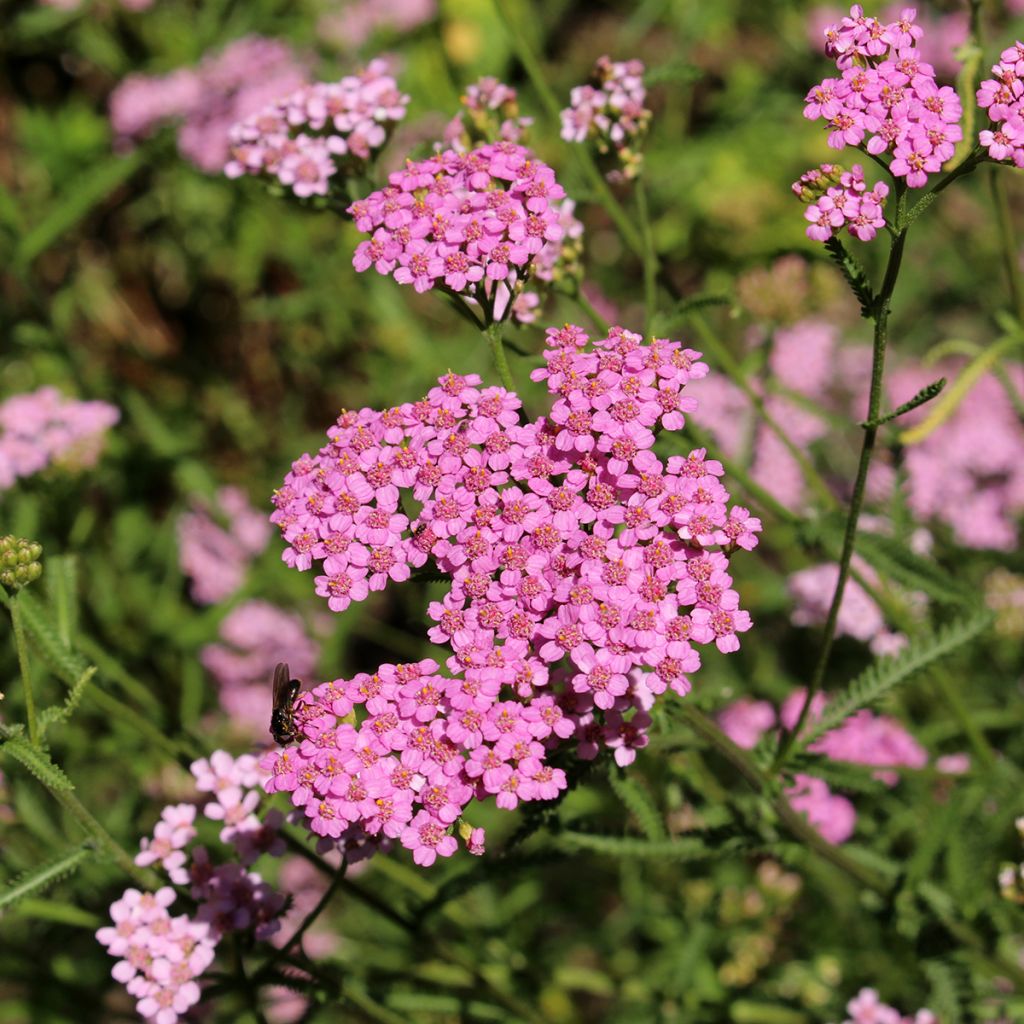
(21, 646)
(881, 337)
(492, 332)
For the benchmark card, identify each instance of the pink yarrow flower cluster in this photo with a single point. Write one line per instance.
(867, 1008)
(217, 543)
(609, 112)
(886, 99)
(319, 131)
(584, 571)
(1003, 97)
(208, 99)
(558, 262)
(254, 637)
(43, 428)
(840, 199)
(161, 958)
(470, 223)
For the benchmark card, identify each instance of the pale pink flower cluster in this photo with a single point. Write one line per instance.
(583, 570)
(160, 957)
(208, 99)
(73, 5)
(353, 25)
(886, 99)
(42, 428)
(859, 616)
(305, 139)
(469, 223)
(1011, 876)
(969, 471)
(254, 637)
(1003, 97)
(216, 544)
(490, 113)
(840, 199)
(864, 738)
(609, 112)
(867, 1008)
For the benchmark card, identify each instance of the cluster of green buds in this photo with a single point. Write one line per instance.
(812, 185)
(19, 562)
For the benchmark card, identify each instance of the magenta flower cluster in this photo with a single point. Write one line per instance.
(840, 199)
(305, 139)
(867, 1008)
(43, 428)
(1003, 97)
(160, 957)
(886, 99)
(583, 568)
(865, 738)
(207, 99)
(253, 638)
(217, 542)
(470, 223)
(609, 112)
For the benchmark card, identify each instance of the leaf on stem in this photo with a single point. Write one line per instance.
(855, 275)
(38, 879)
(896, 561)
(38, 762)
(885, 674)
(926, 394)
(60, 713)
(639, 803)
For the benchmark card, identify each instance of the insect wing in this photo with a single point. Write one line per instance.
(281, 679)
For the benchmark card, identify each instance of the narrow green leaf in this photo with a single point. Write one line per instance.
(686, 849)
(62, 590)
(639, 803)
(855, 275)
(59, 912)
(885, 674)
(38, 879)
(38, 762)
(926, 394)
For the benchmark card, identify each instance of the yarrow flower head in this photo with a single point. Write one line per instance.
(840, 199)
(469, 223)
(208, 99)
(885, 99)
(609, 113)
(867, 1008)
(585, 571)
(162, 958)
(490, 113)
(319, 132)
(559, 264)
(43, 429)
(217, 542)
(1003, 97)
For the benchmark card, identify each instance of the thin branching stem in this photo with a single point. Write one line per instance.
(493, 334)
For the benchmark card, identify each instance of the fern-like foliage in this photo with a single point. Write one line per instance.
(856, 276)
(892, 558)
(60, 713)
(685, 849)
(926, 394)
(38, 762)
(949, 990)
(38, 879)
(64, 662)
(885, 674)
(639, 803)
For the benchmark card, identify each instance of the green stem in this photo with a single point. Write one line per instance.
(587, 306)
(1008, 241)
(650, 255)
(584, 158)
(21, 645)
(881, 337)
(251, 991)
(145, 878)
(492, 332)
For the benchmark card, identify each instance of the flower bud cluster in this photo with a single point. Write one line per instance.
(319, 131)
(886, 99)
(1003, 97)
(19, 562)
(840, 199)
(469, 223)
(42, 428)
(161, 958)
(609, 112)
(583, 569)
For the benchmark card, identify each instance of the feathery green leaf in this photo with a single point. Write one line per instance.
(38, 879)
